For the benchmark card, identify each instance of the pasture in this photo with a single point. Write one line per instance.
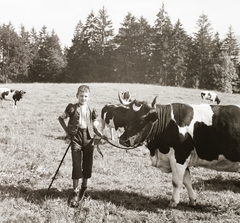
(124, 186)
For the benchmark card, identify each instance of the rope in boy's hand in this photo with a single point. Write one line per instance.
(104, 137)
(98, 149)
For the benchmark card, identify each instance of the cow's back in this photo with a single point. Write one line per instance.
(208, 133)
(221, 137)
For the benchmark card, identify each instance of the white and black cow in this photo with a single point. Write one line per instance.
(182, 135)
(211, 96)
(111, 117)
(8, 94)
(125, 95)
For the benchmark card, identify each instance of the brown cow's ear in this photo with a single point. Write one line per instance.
(154, 102)
(152, 116)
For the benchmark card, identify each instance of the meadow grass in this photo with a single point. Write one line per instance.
(124, 186)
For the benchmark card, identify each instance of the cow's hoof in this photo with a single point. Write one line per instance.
(192, 203)
(172, 204)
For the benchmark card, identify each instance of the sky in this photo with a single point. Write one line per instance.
(62, 16)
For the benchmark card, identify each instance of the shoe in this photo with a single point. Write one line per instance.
(73, 200)
(82, 193)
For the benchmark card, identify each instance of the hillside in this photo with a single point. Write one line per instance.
(124, 186)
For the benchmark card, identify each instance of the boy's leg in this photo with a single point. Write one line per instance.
(84, 182)
(76, 164)
(83, 188)
(87, 162)
(76, 173)
(75, 185)
(76, 167)
(73, 200)
(87, 168)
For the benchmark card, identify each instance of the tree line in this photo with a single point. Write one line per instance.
(139, 53)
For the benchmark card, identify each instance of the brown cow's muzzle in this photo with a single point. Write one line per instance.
(123, 141)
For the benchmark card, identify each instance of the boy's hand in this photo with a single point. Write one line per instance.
(104, 137)
(68, 138)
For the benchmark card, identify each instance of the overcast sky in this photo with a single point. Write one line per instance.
(63, 16)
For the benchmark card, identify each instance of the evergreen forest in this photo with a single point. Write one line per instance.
(161, 54)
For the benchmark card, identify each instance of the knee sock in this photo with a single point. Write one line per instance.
(84, 182)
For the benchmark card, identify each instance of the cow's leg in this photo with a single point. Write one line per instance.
(120, 132)
(177, 179)
(112, 133)
(103, 125)
(178, 171)
(188, 184)
(14, 104)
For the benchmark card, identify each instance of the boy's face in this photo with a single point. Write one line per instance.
(83, 97)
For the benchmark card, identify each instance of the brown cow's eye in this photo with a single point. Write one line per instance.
(141, 121)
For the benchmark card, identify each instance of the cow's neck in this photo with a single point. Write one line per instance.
(155, 140)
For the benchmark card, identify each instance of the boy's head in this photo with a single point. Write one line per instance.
(83, 94)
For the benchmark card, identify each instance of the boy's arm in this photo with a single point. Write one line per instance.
(62, 123)
(68, 111)
(96, 124)
(96, 130)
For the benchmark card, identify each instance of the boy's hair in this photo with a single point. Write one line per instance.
(83, 88)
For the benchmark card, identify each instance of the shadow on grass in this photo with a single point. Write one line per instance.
(31, 195)
(128, 200)
(218, 184)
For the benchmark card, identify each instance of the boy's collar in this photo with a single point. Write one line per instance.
(79, 104)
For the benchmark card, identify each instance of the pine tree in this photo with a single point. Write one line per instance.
(162, 45)
(9, 45)
(144, 51)
(24, 54)
(201, 54)
(79, 56)
(105, 30)
(179, 55)
(124, 48)
(105, 46)
(226, 73)
(49, 61)
(231, 46)
(133, 49)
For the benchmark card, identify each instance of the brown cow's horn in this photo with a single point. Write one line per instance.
(154, 102)
(122, 101)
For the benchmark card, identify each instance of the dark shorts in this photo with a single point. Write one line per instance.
(82, 155)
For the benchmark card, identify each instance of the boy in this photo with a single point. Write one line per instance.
(80, 130)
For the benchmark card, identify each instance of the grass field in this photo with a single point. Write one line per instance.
(124, 186)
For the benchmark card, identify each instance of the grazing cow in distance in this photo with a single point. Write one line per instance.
(111, 116)
(211, 96)
(8, 94)
(180, 136)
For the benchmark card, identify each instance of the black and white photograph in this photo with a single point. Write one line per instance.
(119, 111)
